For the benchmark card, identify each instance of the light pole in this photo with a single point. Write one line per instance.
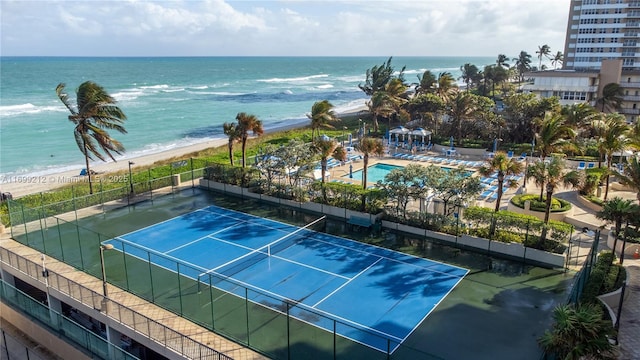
(104, 275)
(343, 130)
(130, 178)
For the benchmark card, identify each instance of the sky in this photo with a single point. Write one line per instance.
(281, 28)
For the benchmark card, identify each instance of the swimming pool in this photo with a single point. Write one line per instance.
(378, 171)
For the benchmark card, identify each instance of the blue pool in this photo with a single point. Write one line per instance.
(378, 171)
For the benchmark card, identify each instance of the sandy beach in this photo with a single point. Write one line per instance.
(21, 185)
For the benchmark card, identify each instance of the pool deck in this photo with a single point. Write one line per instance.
(629, 341)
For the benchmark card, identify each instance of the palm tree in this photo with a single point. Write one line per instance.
(369, 146)
(611, 98)
(469, 72)
(328, 148)
(427, 83)
(446, 86)
(557, 58)
(460, 108)
(617, 210)
(502, 61)
(613, 140)
(554, 175)
(553, 135)
(246, 123)
(578, 115)
(630, 176)
(95, 113)
(523, 64)
(505, 166)
(543, 51)
(231, 130)
(322, 115)
(579, 333)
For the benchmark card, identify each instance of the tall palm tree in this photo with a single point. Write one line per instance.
(461, 108)
(322, 115)
(427, 83)
(446, 86)
(247, 123)
(503, 61)
(469, 72)
(523, 64)
(504, 166)
(630, 176)
(369, 146)
(611, 98)
(579, 333)
(543, 51)
(328, 148)
(554, 174)
(231, 130)
(558, 58)
(95, 113)
(613, 140)
(579, 115)
(553, 135)
(617, 211)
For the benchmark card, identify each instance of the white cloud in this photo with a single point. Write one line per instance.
(217, 27)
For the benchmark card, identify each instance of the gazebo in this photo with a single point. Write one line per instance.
(400, 130)
(421, 132)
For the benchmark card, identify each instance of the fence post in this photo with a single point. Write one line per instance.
(193, 183)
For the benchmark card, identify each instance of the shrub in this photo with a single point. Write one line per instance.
(557, 205)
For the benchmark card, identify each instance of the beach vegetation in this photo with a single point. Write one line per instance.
(94, 113)
(520, 112)
(614, 140)
(379, 76)
(630, 175)
(469, 74)
(322, 115)
(522, 64)
(327, 148)
(247, 123)
(611, 98)
(544, 51)
(233, 135)
(503, 61)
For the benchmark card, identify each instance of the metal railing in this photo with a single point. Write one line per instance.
(136, 321)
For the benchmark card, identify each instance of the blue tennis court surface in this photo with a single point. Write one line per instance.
(377, 296)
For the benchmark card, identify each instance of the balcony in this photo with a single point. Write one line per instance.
(630, 111)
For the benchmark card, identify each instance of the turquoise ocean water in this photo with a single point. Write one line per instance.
(175, 102)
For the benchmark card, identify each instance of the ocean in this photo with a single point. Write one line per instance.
(175, 102)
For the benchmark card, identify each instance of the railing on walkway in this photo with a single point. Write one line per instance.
(140, 323)
(63, 326)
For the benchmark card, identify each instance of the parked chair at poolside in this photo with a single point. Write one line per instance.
(582, 165)
(510, 154)
(591, 165)
(485, 194)
(523, 157)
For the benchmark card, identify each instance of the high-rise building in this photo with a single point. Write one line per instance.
(598, 30)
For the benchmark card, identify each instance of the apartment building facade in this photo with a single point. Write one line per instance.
(601, 47)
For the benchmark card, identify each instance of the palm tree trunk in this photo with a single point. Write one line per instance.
(606, 188)
(86, 162)
(499, 197)
(548, 207)
(230, 145)
(244, 152)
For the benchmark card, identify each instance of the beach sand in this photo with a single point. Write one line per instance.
(21, 185)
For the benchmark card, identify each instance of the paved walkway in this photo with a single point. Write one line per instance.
(629, 332)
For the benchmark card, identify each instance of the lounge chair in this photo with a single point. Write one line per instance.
(510, 154)
(485, 194)
(582, 165)
(591, 165)
(523, 157)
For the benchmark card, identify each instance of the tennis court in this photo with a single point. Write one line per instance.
(370, 295)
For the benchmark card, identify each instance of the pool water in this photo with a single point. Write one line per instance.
(378, 171)
(375, 173)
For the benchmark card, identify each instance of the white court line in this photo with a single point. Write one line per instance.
(204, 237)
(346, 283)
(158, 253)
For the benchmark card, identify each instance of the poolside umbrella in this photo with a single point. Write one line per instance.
(495, 145)
(350, 139)
(351, 171)
(451, 142)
